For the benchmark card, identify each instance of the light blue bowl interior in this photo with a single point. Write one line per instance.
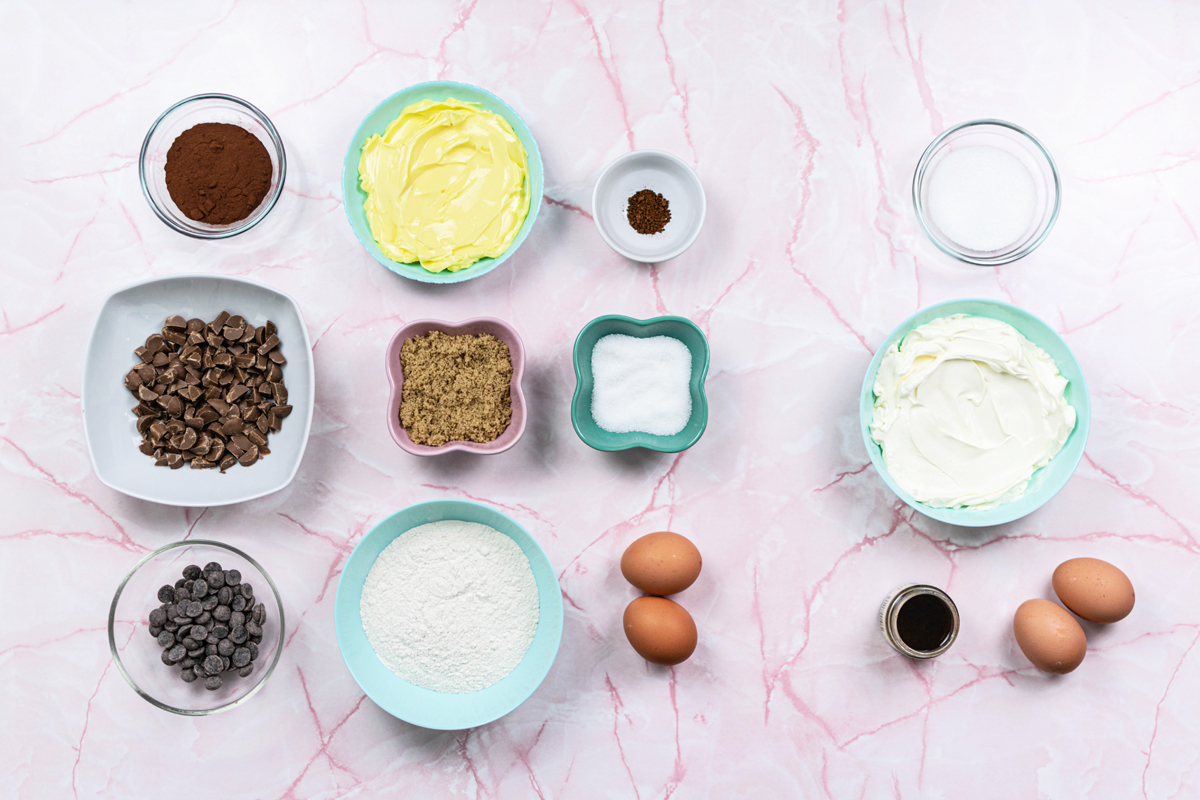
(1047, 481)
(377, 122)
(425, 707)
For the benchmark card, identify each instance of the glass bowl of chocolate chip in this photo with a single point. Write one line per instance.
(212, 166)
(196, 627)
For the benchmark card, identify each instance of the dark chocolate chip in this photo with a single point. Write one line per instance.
(194, 609)
(157, 617)
(233, 577)
(239, 603)
(166, 658)
(260, 613)
(166, 639)
(210, 649)
(225, 595)
(188, 675)
(212, 664)
(225, 647)
(199, 588)
(238, 634)
(253, 628)
(253, 647)
(177, 653)
(212, 566)
(191, 572)
(210, 602)
(220, 631)
(241, 657)
(216, 579)
(246, 670)
(221, 613)
(166, 594)
(212, 682)
(247, 591)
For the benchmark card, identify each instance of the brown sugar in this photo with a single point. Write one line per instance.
(456, 388)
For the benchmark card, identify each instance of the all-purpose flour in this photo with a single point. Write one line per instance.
(451, 606)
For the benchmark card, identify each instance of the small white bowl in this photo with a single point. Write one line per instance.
(662, 173)
(131, 314)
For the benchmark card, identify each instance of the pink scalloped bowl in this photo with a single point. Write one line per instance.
(516, 348)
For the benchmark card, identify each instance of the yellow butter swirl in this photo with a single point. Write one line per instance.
(445, 185)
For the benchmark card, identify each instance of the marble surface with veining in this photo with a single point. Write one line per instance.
(804, 122)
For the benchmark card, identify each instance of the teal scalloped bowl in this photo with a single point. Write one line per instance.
(1048, 480)
(679, 328)
(377, 122)
(425, 707)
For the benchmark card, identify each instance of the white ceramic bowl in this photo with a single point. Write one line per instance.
(131, 314)
(662, 173)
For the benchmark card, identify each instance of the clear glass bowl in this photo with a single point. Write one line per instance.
(186, 114)
(137, 654)
(1012, 139)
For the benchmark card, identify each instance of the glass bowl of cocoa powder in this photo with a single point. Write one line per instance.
(212, 166)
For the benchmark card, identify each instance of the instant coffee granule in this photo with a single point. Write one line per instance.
(456, 388)
(648, 212)
(218, 173)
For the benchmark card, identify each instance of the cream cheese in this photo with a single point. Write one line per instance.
(966, 410)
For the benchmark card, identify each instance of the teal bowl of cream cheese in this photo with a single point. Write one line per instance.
(419, 705)
(1046, 481)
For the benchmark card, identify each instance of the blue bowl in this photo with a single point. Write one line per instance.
(377, 121)
(425, 707)
(679, 328)
(1046, 482)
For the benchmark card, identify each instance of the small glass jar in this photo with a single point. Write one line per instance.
(929, 626)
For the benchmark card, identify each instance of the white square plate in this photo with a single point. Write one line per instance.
(131, 314)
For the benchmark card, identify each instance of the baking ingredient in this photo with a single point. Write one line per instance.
(660, 630)
(966, 410)
(924, 622)
(1049, 636)
(982, 198)
(661, 563)
(1094, 589)
(450, 606)
(919, 621)
(217, 173)
(208, 625)
(648, 212)
(641, 384)
(209, 395)
(445, 185)
(456, 388)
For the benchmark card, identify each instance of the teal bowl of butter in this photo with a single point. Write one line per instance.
(679, 328)
(425, 707)
(377, 122)
(1045, 482)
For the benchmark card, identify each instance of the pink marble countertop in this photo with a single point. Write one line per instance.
(804, 122)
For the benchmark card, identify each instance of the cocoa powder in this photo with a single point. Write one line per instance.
(218, 173)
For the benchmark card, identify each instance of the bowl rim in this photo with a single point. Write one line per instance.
(699, 396)
(235, 228)
(1005, 512)
(679, 249)
(116, 655)
(467, 273)
(310, 398)
(341, 599)
(392, 368)
(949, 248)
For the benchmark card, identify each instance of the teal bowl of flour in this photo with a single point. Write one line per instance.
(425, 707)
(1048, 480)
(377, 121)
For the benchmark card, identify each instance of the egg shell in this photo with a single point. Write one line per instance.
(660, 630)
(1094, 589)
(1049, 636)
(661, 563)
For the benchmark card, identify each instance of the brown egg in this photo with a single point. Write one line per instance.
(660, 630)
(661, 563)
(1049, 636)
(1094, 589)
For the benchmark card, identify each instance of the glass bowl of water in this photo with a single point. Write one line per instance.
(986, 192)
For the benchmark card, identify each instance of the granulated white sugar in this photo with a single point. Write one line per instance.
(450, 606)
(982, 198)
(641, 384)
